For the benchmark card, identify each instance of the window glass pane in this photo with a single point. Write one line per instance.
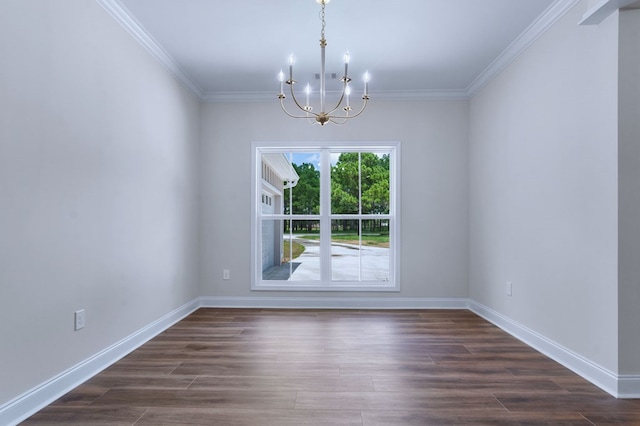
(375, 250)
(276, 174)
(375, 182)
(306, 192)
(305, 250)
(273, 267)
(345, 250)
(345, 183)
(290, 250)
(360, 250)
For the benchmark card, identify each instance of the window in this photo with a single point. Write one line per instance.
(325, 216)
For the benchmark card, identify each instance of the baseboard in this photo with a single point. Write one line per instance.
(34, 400)
(312, 302)
(39, 397)
(599, 376)
(628, 387)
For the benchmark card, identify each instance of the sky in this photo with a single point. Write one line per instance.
(313, 158)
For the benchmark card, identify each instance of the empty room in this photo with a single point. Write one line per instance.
(320, 212)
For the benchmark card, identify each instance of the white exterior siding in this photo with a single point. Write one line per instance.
(268, 234)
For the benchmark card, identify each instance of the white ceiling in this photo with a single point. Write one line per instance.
(233, 47)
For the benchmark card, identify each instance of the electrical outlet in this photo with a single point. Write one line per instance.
(79, 319)
(226, 274)
(509, 288)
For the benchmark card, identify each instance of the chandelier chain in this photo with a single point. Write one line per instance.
(322, 15)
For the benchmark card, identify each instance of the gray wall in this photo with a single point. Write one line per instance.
(98, 194)
(120, 194)
(434, 192)
(629, 192)
(544, 189)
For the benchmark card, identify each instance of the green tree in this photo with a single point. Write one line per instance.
(304, 198)
(344, 184)
(375, 183)
(373, 171)
(351, 169)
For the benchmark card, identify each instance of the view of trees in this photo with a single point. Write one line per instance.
(351, 169)
(306, 194)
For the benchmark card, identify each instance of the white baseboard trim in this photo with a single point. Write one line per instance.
(312, 302)
(34, 400)
(617, 386)
(628, 387)
(30, 402)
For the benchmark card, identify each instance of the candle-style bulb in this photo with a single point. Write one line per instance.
(291, 68)
(281, 80)
(347, 92)
(346, 65)
(366, 83)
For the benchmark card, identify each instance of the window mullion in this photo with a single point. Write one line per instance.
(359, 216)
(325, 215)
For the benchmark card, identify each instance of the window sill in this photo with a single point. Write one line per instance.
(328, 287)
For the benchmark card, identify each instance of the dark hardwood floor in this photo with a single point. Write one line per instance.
(334, 367)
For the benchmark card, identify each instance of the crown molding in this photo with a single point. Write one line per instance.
(421, 95)
(554, 12)
(602, 10)
(383, 95)
(124, 18)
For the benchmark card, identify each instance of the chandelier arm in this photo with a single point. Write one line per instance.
(339, 101)
(295, 100)
(344, 120)
(365, 98)
(291, 115)
(346, 117)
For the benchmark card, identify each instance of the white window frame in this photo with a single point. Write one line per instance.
(257, 283)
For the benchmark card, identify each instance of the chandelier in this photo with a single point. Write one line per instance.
(337, 114)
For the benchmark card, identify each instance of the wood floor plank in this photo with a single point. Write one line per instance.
(248, 417)
(277, 383)
(465, 385)
(140, 381)
(392, 401)
(196, 398)
(216, 368)
(63, 416)
(471, 417)
(237, 367)
(567, 402)
(611, 418)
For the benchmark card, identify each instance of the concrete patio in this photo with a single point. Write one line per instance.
(348, 263)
